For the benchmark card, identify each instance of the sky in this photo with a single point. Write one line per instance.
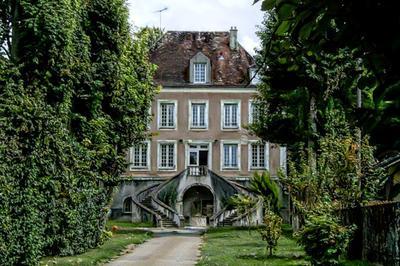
(201, 15)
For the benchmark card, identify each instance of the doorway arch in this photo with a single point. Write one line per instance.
(198, 204)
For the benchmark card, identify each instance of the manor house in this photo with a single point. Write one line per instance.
(200, 153)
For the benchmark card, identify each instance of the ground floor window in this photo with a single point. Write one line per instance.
(127, 206)
(167, 155)
(140, 156)
(258, 155)
(230, 156)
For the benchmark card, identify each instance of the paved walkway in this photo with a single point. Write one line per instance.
(164, 249)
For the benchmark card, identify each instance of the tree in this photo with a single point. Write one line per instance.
(75, 89)
(324, 27)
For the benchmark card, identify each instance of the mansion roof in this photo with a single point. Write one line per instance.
(229, 66)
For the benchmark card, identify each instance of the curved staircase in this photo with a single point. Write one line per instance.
(164, 220)
(166, 216)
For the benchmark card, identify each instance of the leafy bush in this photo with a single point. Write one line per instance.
(324, 239)
(75, 88)
(272, 230)
(264, 186)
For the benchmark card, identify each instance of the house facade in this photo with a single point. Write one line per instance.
(198, 128)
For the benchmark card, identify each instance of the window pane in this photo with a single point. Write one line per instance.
(230, 155)
(258, 155)
(193, 158)
(198, 115)
(167, 115)
(231, 115)
(199, 72)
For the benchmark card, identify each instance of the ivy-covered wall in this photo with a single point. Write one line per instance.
(75, 87)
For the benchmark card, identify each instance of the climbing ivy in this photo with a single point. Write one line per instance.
(75, 88)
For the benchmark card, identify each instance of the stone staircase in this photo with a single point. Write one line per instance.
(228, 221)
(165, 221)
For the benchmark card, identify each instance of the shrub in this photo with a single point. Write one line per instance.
(272, 230)
(324, 239)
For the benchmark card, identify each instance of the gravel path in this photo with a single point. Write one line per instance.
(163, 250)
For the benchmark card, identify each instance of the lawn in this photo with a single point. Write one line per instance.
(235, 246)
(126, 235)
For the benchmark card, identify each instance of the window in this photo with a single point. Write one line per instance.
(230, 156)
(230, 114)
(167, 155)
(198, 114)
(254, 112)
(200, 69)
(139, 155)
(258, 155)
(200, 72)
(167, 114)
(127, 205)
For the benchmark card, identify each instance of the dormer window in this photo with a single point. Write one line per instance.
(200, 72)
(200, 69)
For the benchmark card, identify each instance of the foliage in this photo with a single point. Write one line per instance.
(324, 239)
(338, 179)
(243, 204)
(298, 37)
(169, 193)
(75, 89)
(104, 253)
(272, 230)
(264, 186)
(233, 246)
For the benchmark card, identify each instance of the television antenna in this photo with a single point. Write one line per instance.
(160, 11)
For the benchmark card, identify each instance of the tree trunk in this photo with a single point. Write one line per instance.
(313, 132)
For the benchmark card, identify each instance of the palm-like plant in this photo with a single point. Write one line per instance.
(264, 186)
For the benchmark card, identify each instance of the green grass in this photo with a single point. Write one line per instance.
(230, 246)
(110, 249)
(234, 246)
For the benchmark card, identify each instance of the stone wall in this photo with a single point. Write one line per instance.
(377, 238)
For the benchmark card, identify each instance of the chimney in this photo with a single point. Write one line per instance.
(233, 43)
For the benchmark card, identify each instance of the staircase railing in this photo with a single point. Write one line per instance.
(220, 216)
(164, 208)
(142, 195)
(156, 215)
(201, 170)
(256, 211)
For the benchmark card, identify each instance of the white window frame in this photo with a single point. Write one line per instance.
(160, 168)
(199, 142)
(175, 116)
(190, 123)
(251, 105)
(131, 156)
(205, 72)
(222, 155)
(250, 155)
(238, 115)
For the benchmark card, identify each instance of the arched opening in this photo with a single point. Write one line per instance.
(127, 206)
(198, 205)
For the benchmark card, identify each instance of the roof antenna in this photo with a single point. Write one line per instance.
(160, 11)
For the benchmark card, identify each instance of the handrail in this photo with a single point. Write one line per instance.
(164, 208)
(146, 192)
(221, 216)
(201, 170)
(252, 210)
(158, 217)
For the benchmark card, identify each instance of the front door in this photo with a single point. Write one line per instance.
(198, 155)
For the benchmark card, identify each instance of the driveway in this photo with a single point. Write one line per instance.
(164, 249)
